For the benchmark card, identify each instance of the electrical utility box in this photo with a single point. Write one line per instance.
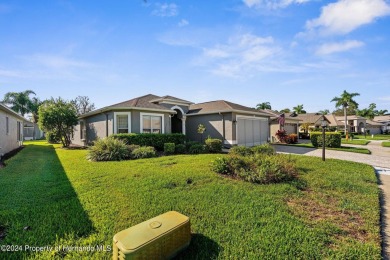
(161, 237)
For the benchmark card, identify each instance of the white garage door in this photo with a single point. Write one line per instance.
(252, 131)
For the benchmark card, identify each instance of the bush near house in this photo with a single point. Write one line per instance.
(180, 149)
(249, 151)
(213, 145)
(108, 149)
(196, 148)
(331, 139)
(155, 140)
(169, 148)
(283, 137)
(144, 152)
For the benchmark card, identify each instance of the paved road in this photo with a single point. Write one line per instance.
(379, 159)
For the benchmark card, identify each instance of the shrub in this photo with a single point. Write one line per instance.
(281, 135)
(144, 152)
(131, 148)
(240, 150)
(52, 138)
(220, 165)
(293, 138)
(196, 149)
(169, 148)
(189, 144)
(263, 149)
(258, 168)
(180, 149)
(331, 139)
(155, 140)
(213, 145)
(108, 149)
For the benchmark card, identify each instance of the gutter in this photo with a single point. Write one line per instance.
(231, 111)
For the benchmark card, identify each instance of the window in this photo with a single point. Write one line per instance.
(82, 130)
(122, 123)
(7, 125)
(152, 123)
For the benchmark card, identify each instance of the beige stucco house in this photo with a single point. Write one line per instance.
(11, 130)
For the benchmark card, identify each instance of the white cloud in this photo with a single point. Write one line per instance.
(56, 62)
(272, 4)
(329, 48)
(241, 53)
(384, 98)
(345, 16)
(165, 10)
(183, 22)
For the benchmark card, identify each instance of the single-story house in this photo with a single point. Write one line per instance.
(314, 120)
(11, 130)
(374, 127)
(385, 120)
(31, 131)
(360, 124)
(230, 122)
(291, 124)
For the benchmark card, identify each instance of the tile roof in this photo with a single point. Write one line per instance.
(221, 106)
(333, 121)
(385, 118)
(275, 115)
(370, 122)
(311, 118)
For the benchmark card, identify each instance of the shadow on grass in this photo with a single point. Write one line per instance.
(38, 203)
(201, 247)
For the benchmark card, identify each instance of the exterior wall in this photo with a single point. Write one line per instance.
(9, 142)
(31, 131)
(213, 124)
(274, 127)
(136, 121)
(96, 127)
(169, 106)
(374, 130)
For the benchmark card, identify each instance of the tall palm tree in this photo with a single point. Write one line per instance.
(299, 109)
(264, 105)
(324, 112)
(344, 101)
(19, 101)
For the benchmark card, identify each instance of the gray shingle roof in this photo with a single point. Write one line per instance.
(221, 106)
(140, 102)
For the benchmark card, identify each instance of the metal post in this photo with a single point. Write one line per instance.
(323, 143)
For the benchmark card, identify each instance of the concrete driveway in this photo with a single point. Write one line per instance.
(379, 159)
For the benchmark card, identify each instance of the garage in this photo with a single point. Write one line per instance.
(252, 131)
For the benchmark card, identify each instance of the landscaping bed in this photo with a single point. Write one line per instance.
(331, 210)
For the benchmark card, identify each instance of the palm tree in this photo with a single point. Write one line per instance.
(299, 109)
(19, 101)
(264, 105)
(344, 101)
(324, 112)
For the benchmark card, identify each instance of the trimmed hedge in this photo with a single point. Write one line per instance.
(331, 139)
(213, 145)
(155, 140)
(169, 148)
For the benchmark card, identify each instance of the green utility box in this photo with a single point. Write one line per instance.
(161, 237)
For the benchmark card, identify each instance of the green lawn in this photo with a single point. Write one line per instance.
(331, 211)
(342, 148)
(355, 141)
(386, 144)
(376, 137)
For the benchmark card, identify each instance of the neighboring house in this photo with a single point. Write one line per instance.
(360, 124)
(385, 120)
(315, 120)
(291, 124)
(11, 130)
(233, 123)
(31, 131)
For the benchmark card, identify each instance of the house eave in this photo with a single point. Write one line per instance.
(10, 111)
(230, 111)
(108, 109)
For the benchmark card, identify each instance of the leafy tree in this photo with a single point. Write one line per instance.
(324, 112)
(34, 106)
(371, 112)
(340, 112)
(83, 105)
(286, 110)
(305, 127)
(201, 130)
(382, 112)
(344, 101)
(264, 105)
(58, 117)
(299, 109)
(19, 101)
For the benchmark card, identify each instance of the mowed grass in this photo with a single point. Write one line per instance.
(376, 137)
(386, 144)
(355, 141)
(331, 211)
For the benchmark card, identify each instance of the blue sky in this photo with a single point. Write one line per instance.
(286, 52)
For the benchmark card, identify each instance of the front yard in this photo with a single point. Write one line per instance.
(331, 211)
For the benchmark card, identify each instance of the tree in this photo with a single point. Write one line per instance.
(34, 107)
(264, 105)
(371, 112)
(201, 130)
(345, 101)
(299, 109)
(19, 101)
(83, 105)
(286, 111)
(58, 117)
(324, 112)
(340, 112)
